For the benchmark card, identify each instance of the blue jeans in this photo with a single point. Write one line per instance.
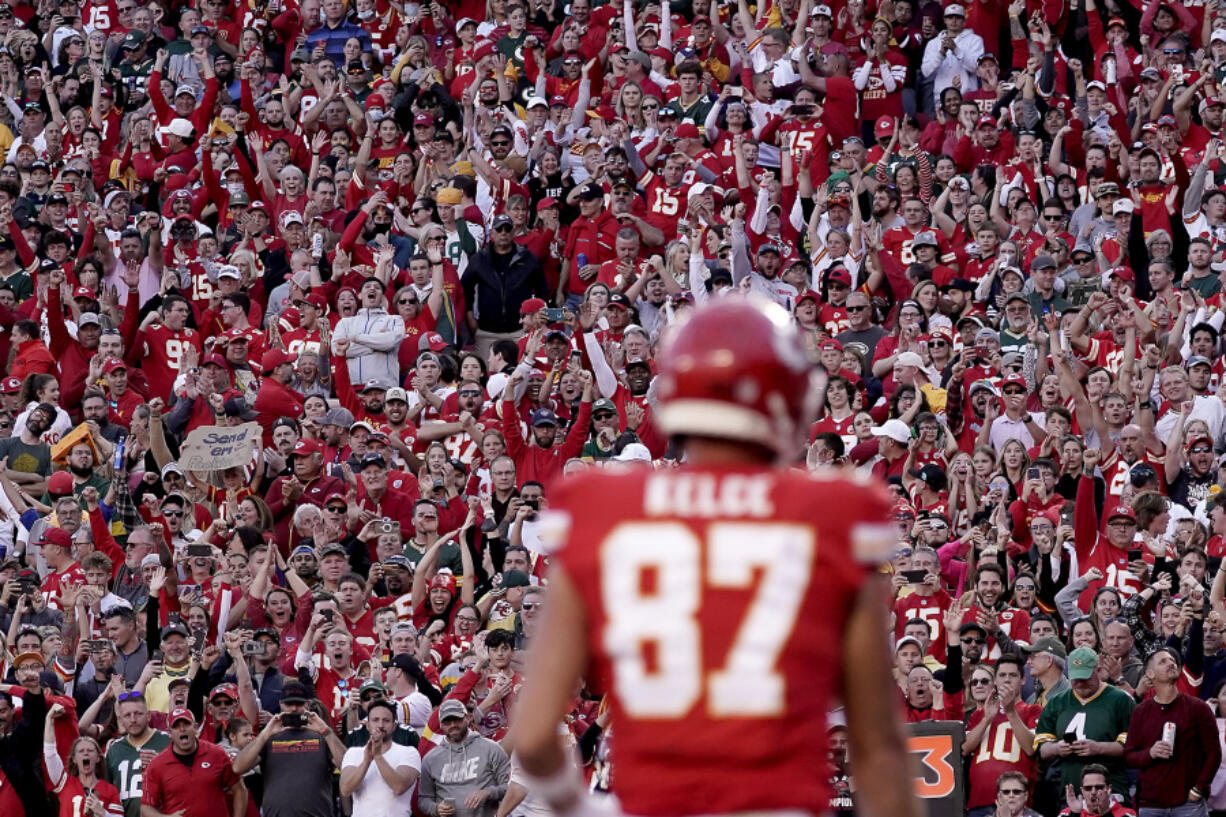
(1189, 809)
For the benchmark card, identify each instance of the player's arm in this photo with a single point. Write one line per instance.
(868, 692)
(558, 658)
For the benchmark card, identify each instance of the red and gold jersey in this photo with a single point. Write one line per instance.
(162, 351)
(716, 604)
(999, 751)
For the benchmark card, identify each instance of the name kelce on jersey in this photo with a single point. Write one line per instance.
(709, 496)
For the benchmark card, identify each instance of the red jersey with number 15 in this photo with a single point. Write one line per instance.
(716, 605)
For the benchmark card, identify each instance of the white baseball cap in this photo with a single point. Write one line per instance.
(896, 430)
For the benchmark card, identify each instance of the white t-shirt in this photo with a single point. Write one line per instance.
(374, 798)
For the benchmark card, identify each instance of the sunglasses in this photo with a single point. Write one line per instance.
(856, 308)
(651, 107)
(1019, 792)
(336, 509)
(974, 640)
(501, 143)
(1053, 216)
(470, 394)
(937, 344)
(531, 605)
(1201, 449)
(1083, 260)
(981, 682)
(1095, 787)
(506, 228)
(602, 416)
(408, 301)
(172, 513)
(134, 695)
(1014, 391)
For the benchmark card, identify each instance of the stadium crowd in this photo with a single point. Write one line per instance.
(434, 253)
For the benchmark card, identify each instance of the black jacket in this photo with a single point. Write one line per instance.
(495, 291)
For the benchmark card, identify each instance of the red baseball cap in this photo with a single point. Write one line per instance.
(1013, 380)
(435, 341)
(985, 121)
(57, 536)
(112, 364)
(274, 358)
(83, 292)
(182, 713)
(1123, 273)
(307, 447)
(225, 689)
(839, 275)
(10, 385)
(546, 203)
(831, 343)
(687, 130)
(60, 484)
(884, 127)
(1122, 512)
(532, 305)
(216, 360)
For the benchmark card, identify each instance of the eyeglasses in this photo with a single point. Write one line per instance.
(122, 9)
(467, 618)
(470, 394)
(1122, 523)
(981, 682)
(937, 344)
(531, 605)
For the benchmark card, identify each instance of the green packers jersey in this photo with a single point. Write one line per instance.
(124, 768)
(1103, 718)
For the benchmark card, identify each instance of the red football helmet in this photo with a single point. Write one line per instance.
(738, 370)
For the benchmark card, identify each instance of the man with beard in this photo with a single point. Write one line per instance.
(1095, 715)
(1177, 765)
(29, 458)
(334, 434)
(129, 756)
(192, 778)
(459, 430)
(991, 610)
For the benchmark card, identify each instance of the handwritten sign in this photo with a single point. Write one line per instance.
(214, 448)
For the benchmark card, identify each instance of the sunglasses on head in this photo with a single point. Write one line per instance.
(134, 695)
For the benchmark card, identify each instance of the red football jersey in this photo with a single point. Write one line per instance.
(716, 604)
(162, 350)
(1000, 751)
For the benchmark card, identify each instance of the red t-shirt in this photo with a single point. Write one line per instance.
(197, 789)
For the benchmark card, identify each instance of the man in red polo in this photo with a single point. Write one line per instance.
(275, 398)
(191, 778)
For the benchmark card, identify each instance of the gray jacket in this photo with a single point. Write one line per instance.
(452, 771)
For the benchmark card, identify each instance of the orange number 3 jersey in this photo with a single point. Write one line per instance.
(716, 604)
